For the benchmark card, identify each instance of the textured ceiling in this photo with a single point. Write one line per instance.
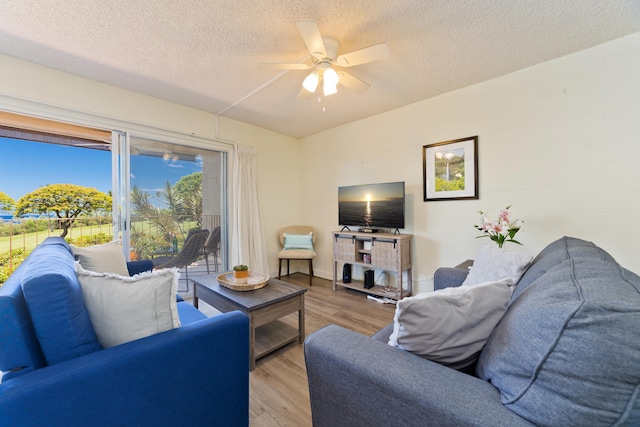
(205, 54)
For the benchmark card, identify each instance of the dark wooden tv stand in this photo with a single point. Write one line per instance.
(380, 251)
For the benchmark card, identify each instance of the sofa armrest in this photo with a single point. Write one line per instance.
(195, 375)
(358, 381)
(448, 277)
(136, 267)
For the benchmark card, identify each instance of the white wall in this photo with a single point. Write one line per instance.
(559, 141)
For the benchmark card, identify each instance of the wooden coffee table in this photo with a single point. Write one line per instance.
(263, 306)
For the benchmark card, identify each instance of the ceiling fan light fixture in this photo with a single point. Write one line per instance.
(330, 76)
(310, 83)
(329, 89)
(330, 81)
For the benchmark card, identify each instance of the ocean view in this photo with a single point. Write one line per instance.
(384, 213)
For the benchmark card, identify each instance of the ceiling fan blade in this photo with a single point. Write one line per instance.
(312, 38)
(368, 54)
(276, 66)
(353, 83)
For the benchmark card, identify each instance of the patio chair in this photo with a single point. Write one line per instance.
(190, 253)
(211, 248)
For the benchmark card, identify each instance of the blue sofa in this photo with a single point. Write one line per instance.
(195, 375)
(565, 353)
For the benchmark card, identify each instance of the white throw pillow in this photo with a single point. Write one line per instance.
(124, 309)
(106, 258)
(450, 326)
(494, 263)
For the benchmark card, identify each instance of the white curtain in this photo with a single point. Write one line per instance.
(247, 242)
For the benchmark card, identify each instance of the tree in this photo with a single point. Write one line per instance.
(189, 191)
(184, 199)
(66, 201)
(189, 184)
(6, 202)
(183, 202)
(141, 204)
(161, 218)
(172, 199)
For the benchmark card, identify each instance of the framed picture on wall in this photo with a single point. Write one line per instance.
(450, 170)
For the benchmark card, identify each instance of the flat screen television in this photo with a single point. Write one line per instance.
(372, 206)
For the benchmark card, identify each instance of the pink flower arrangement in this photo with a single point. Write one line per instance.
(500, 230)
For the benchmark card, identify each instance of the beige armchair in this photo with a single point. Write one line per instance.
(297, 245)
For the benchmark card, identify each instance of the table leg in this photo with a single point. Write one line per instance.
(301, 320)
(195, 295)
(252, 343)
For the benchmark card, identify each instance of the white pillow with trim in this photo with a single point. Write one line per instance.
(124, 309)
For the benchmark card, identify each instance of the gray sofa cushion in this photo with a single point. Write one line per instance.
(567, 351)
(555, 254)
(383, 334)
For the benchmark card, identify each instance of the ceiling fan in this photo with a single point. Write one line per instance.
(324, 54)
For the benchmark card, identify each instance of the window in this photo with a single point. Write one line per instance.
(160, 172)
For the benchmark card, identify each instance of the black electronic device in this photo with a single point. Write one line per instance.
(368, 230)
(346, 273)
(372, 206)
(368, 279)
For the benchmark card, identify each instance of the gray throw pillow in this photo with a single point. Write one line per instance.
(450, 326)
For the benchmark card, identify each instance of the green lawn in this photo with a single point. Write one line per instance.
(29, 241)
(146, 231)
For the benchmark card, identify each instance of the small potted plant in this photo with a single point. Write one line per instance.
(240, 273)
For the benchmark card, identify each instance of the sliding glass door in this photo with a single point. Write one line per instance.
(162, 184)
(172, 189)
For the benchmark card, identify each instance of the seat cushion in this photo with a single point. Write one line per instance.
(54, 299)
(188, 313)
(569, 347)
(296, 254)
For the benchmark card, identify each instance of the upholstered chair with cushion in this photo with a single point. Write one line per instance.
(297, 243)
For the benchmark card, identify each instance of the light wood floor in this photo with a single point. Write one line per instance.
(279, 393)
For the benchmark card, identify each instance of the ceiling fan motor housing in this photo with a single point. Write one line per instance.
(331, 46)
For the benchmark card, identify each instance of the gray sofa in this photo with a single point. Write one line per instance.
(566, 352)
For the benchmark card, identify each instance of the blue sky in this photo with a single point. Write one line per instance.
(26, 166)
